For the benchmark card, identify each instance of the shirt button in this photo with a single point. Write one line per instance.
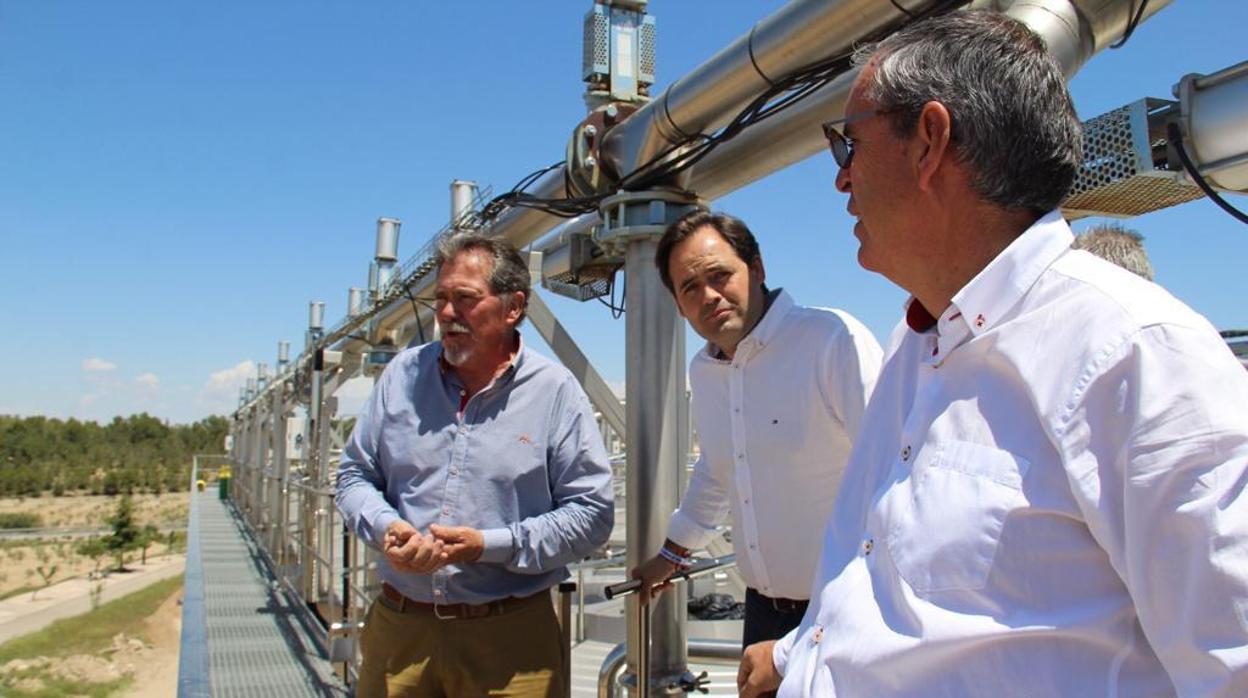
(740, 456)
(817, 636)
(746, 500)
(454, 471)
(437, 592)
(446, 510)
(867, 545)
(905, 453)
(737, 410)
(753, 547)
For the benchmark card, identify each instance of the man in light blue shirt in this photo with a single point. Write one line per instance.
(477, 467)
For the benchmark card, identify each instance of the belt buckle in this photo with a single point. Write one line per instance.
(437, 613)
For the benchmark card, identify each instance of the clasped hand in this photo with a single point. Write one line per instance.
(408, 550)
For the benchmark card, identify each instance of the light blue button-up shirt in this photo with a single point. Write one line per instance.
(524, 464)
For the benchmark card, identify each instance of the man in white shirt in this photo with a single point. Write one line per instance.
(778, 393)
(1047, 494)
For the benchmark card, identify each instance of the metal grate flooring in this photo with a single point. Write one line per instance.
(257, 643)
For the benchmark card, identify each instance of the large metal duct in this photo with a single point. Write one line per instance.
(801, 33)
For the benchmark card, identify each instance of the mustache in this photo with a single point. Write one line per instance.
(456, 327)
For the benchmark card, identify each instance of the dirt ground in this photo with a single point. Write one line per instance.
(94, 510)
(20, 559)
(149, 657)
(156, 676)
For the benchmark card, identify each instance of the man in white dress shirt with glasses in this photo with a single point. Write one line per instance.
(1047, 494)
(778, 393)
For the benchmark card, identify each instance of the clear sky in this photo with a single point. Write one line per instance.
(178, 179)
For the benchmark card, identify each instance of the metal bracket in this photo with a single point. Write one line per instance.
(690, 683)
(632, 214)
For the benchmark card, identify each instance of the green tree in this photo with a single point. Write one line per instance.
(147, 536)
(126, 535)
(94, 548)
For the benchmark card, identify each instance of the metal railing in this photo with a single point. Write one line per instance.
(193, 661)
(609, 676)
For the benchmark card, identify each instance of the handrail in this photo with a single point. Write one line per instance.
(193, 661)
(700, 568)
(609, 674)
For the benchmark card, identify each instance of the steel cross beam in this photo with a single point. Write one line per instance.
(571, 356)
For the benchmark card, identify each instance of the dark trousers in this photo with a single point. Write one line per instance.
(769, 619)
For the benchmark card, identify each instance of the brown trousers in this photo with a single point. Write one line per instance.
(415, 654)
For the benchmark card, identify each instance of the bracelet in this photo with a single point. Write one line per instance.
(671, 556)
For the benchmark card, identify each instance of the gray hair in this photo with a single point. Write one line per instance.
(1013, 123)
(509, 272)
(1114, 243)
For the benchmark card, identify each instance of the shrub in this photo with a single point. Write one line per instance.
(20, 519)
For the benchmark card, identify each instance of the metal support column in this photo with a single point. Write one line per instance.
(255, 474)
(308, 497)
(275, 474)
(657, 444)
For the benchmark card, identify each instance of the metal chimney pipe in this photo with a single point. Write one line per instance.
(316, 316)
(463, 196)
(283, 354)
(355, 301)
(388, 239)
(387, 251)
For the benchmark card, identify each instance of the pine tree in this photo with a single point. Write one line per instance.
(126, 533)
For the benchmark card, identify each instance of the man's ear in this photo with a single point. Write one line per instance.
(757, 268)
(933, 138)
(515, 309)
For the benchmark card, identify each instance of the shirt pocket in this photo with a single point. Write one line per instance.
(948, 516)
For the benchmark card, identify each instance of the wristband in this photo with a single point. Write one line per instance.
(671, 556)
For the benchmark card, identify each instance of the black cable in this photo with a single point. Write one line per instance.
(1132, 23)
(420, 326)
(1176, 139)
(901, 9)
(617, 311)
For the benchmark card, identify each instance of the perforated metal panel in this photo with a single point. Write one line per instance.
(1120, 175)
(645, 69)
(581, 287)
(595, 51)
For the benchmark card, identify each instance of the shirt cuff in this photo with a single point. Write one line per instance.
(688, 533)
(780, 651)
(499, 545)
(380, 524)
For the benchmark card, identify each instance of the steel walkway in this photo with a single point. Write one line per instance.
(251, 641)
(243, 638)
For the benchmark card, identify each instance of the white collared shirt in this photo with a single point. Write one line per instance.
(775, 425)
(1046, 499)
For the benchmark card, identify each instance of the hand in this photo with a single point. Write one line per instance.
(757, 674)
(460, 543)
(408, 551)
(653, 574)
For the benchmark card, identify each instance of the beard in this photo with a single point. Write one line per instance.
(456, 355)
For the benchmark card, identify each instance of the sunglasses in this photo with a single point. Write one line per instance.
(842, 147)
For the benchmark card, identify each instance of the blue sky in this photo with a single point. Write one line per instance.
(178, 180)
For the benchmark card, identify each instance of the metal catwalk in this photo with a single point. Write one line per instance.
(255, 641)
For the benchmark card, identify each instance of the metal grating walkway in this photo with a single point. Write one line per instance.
(257, 644)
